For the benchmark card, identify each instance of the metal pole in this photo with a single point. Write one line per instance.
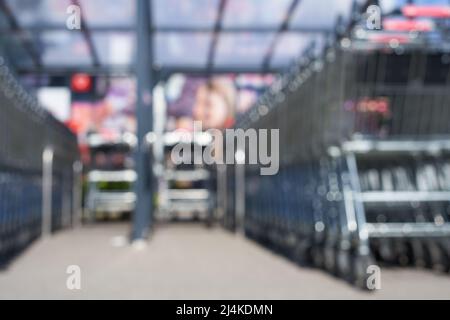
(240, 193)
(222, 192)
(47, 186)
(142, 217)
(66, 186)
(77, 194)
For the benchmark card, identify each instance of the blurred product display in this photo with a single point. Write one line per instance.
(187, 187)
(111, 176)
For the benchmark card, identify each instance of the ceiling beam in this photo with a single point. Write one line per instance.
(88, 37)
(246, 29)
(283, 28)
(128, 70)
(220, 70)
(63, 70)
(216, 34)
(181, 30)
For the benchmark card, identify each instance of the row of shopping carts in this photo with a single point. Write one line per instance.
(364, 153)
(186, 186)
(38, 168)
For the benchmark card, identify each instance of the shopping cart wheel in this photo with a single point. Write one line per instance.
(317, 253)
(254, 231)
(90, 216)
(196, 216)
(209, 218)
(437, 257)
(401, 252)
(343, 263)
(277, 242)
(386, 251)
(444, 246)
(302, 253)
(248, 232)
(360, 274)
(330, 259)
(258, 234)
(418, 253)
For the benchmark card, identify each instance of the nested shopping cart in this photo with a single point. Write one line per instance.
(365, 156)
(186, 186)
(39, 169)
(111, 176)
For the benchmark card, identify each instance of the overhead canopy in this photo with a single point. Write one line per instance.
(227, 35)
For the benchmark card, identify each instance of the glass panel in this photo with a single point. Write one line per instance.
(66, 48)
(115, 47)
(392, 6)
(311, 14)
(189, 49)
(182, 13)
(431, 2)
(117, 13)
(243, 49)
(39, 12)
(4, 24)
(255, 13)
(12, 48)
(290, 46)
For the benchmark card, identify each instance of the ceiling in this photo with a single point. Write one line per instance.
(228, 35)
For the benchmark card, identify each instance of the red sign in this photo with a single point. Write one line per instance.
(412, 11)
(407, 25)
(376, 105)
(81, 83)
(388, 38)
(380, 105)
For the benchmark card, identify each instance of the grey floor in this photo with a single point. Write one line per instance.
(187, 261)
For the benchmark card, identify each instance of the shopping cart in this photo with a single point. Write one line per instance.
(39, 164)
(185, 189)
(111, 176)
(364, 152)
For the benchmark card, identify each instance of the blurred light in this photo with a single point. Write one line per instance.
(412, 11)
(391, 39)
(56, 100)
(81, 83)
(407, 25)
(263, 110)
(346, 43)
(240, 157)
(394, 43)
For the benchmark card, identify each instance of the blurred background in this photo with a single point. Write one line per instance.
(96, 95)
